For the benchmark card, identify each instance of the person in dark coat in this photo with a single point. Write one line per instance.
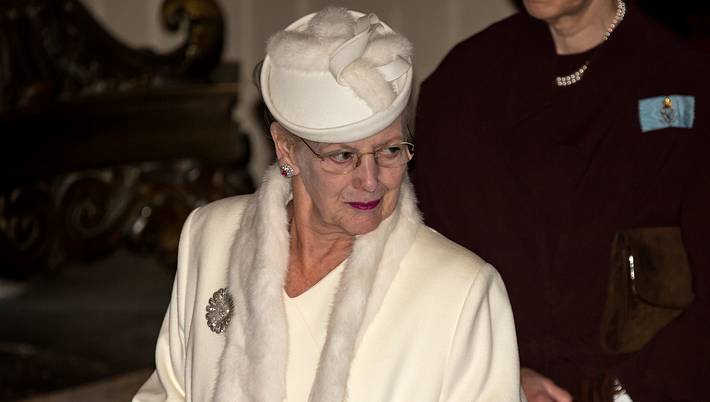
(541, 137)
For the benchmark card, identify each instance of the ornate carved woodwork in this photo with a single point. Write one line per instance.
(107, 146)
(55, 48)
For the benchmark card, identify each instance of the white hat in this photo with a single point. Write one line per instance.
(336, 76)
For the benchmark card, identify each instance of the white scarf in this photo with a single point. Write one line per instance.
(253, 362)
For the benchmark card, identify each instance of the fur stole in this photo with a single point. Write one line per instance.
(253, 362)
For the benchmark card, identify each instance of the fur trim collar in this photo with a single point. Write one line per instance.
(253, 362)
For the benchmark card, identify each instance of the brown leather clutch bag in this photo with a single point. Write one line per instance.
(650, 284)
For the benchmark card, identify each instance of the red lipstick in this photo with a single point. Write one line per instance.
(364, 206)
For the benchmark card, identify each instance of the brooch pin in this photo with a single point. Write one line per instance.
(667, 112)
(219, 310)
(658, 112)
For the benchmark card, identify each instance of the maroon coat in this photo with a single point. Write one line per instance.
(536, 179)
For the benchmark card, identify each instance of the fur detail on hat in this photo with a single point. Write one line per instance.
(332, 22)
(385, 47)
(310, 50)
(377, 92)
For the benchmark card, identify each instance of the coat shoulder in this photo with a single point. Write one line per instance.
(219, 215)
(437, 257)
(491, 36)
(464, 59)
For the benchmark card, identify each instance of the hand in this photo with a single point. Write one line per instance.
(538, 388)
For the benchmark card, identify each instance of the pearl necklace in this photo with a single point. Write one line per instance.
(576, 76)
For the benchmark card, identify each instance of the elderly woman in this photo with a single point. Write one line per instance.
(325, 285)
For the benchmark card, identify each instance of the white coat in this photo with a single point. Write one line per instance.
(415, 317)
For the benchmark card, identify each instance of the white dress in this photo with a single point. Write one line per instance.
(307, 316)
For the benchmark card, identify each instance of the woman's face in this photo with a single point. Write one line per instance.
(354, 203)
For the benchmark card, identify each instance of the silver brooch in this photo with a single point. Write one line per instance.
(219, 310)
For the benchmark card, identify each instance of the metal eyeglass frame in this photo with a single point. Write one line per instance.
(359, 155)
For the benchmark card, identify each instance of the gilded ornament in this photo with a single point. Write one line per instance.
(667, 112)
(667, 102)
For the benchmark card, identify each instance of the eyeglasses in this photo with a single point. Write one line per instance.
(344, 161)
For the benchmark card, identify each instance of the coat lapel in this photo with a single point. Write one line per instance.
(530, 80)
(529, 94)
